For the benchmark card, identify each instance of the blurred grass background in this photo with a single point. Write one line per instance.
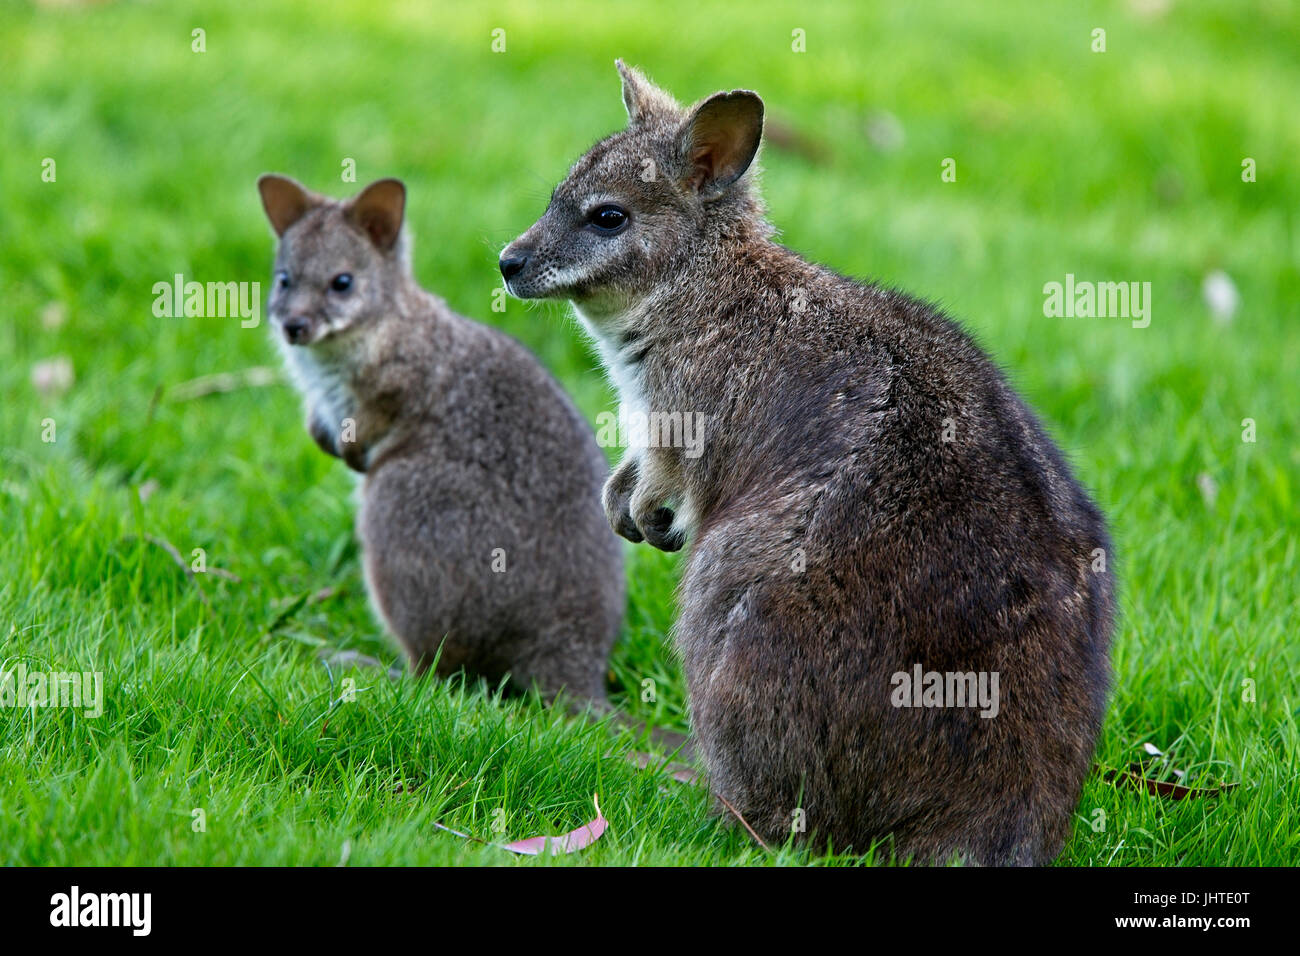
(1117, 166)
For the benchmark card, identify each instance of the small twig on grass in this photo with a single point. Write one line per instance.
(258, 376)
(180, 562)
(190, 572)
(174, 553)
(736, 813)
(172, 550)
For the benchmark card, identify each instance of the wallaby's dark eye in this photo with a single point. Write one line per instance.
(282, 279)
(608, 218)
(341, 282)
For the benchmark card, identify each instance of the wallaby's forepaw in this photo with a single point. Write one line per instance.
(657, 529)
(635, 509)
(624, 526)
(333, 442)
(617, 499)
(354, 456)
(322, 435)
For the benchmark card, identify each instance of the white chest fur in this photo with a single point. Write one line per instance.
(321, 382)
(624, 376)
(628, 379)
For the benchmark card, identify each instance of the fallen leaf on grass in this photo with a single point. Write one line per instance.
(1135, 776)
(259, 376)
(571, 842)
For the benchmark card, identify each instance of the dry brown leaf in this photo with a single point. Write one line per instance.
(1135, 776)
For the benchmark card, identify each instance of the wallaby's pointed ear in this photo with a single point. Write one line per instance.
(378, 211)
(285, 201)
(718, 141)
(641, 97)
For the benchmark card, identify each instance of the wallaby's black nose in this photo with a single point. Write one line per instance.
(295, 330)
(511, 266)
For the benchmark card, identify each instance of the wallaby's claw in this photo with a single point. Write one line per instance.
(625, 527)
(657, 530)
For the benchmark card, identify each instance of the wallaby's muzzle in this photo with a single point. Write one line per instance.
(522, 266)
(512, 263)
(297, 330)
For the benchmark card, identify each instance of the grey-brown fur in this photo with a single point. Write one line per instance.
(467, 445)
(838, 539)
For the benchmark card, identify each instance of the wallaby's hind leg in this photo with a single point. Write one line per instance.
(556, 666)
(560, 663)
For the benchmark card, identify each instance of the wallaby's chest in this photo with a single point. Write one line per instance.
(622, 364)
(323, 381)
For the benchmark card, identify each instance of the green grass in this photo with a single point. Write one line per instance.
(1117, 166)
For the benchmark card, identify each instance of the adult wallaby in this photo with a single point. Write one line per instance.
(483, 540)
(882, 530)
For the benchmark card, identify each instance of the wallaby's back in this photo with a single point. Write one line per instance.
(482, 524)
(901, 507)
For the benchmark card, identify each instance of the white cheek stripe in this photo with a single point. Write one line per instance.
(569, 276)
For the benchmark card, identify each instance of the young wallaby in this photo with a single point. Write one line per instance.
(896, 612)
(483, 539)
